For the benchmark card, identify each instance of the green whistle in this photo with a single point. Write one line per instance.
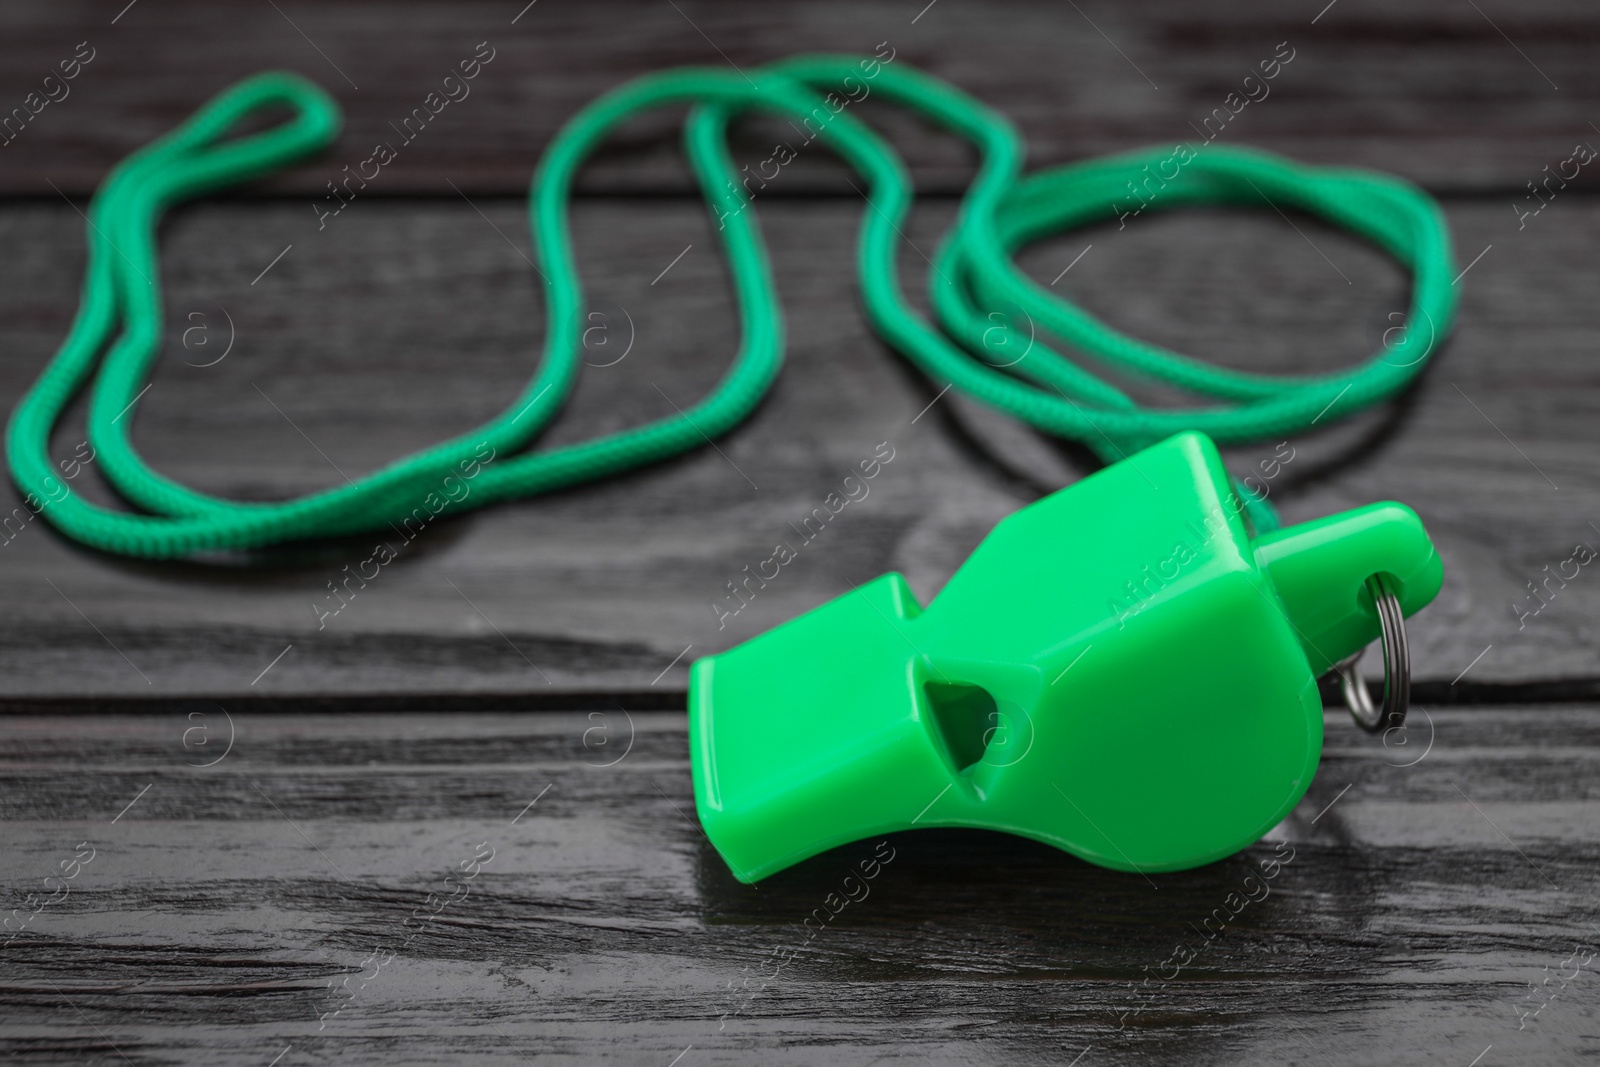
(1119, 670)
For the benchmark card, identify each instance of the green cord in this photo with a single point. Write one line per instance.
(974, 285)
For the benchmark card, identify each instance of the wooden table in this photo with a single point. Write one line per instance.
(253, 804)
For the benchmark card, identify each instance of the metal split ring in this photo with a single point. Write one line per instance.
(1396, 667)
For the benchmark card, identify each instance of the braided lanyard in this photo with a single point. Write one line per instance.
(973, 279)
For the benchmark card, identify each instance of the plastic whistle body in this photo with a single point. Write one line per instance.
(1119, 670)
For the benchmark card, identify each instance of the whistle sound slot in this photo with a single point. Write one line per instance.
(965, 716)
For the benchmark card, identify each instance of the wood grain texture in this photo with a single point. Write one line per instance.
(417, 320)
(1457, 97)
(1420, 898)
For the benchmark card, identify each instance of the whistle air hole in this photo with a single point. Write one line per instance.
(966, 716)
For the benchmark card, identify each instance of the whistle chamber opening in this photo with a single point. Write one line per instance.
(965, 717)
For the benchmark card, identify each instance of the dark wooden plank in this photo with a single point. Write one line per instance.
(1456, 97)
(1426, 888)
(416, 320)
